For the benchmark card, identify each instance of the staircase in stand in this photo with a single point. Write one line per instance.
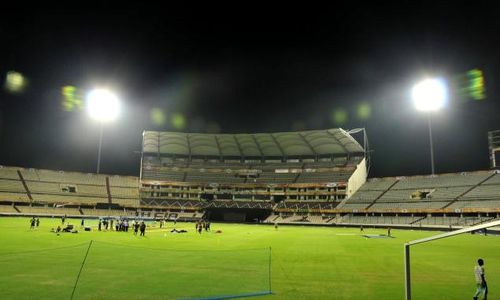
(467, 191)
(25, 185)
(383, 193)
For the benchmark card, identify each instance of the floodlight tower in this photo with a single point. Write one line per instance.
(430, 95)
(102, 106)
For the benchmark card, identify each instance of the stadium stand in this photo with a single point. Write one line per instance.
(36, 191)
(427, 192)
(309, 177)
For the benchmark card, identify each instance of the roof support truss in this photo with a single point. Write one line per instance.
(218, 146)
(307, 143)
(278, 145)
(258, 146)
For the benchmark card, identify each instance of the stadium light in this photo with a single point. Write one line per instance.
(103, 106)
(430, 95)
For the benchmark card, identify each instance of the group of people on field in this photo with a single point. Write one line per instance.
(121, 225)
(202, 224)
(34, 223)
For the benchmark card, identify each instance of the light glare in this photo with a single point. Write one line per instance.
(430, 94)
(102, 105)
(15, 82)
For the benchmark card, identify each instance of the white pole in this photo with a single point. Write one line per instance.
(100, 146)
(430, 143)
(407, 273)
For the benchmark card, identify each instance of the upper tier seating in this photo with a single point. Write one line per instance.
(459, 190)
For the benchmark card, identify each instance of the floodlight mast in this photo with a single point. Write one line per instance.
(103, 106)
(430, 95)
(431, 145)
(99, 149)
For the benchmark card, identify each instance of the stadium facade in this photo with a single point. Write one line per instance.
(308, 177)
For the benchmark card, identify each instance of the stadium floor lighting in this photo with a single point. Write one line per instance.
(103, 106)
(430, 95)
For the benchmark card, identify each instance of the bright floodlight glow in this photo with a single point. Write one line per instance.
(430, 94)
(102, 105)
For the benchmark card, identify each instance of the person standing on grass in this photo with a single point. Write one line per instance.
(32, 223)
(361, 228)
(99, 225)
(37, 222)
(481, 286)
(136, 227)
(82, 223)
(388, 231)
(143, 228)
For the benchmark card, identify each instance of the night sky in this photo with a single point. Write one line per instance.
(250, 69)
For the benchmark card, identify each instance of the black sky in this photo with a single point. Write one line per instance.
(249, 69)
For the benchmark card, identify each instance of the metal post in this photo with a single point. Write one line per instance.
(491, 144)
(430, 143)
(407, 273)
(99, 151)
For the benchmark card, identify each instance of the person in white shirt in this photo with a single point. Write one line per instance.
(482, 287)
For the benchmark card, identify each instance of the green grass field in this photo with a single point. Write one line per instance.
(307, 263)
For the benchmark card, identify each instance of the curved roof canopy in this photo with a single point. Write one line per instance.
(281, 144)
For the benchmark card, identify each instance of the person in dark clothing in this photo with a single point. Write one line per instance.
(82, 223)
(32, 223)
(208, 226)
(99, 225)
(136, 228)
(143, 229)
(37, 222)
(200, 227)
(63, 218)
